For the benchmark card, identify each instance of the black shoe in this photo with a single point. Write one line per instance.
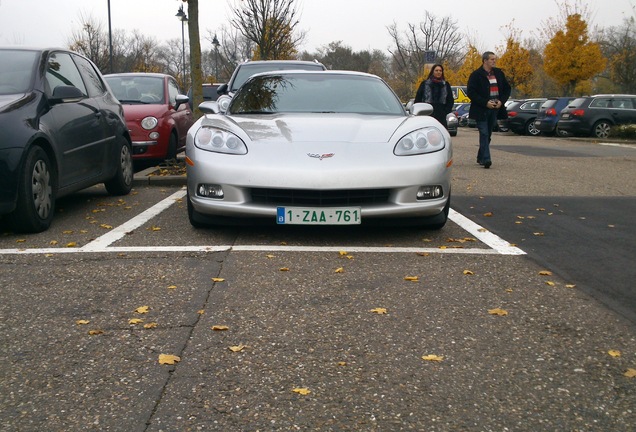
(487, 164)
(480, 162)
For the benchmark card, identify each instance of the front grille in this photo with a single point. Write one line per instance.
(314, 198)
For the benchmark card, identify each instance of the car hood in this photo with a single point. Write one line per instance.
(355, 128)
(139, 111)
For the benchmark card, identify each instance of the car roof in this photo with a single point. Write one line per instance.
(315, 72)
(150, 74)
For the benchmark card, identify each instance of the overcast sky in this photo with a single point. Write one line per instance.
(360, 24)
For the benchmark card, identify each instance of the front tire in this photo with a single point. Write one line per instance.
(601, 129)
(36, 194)
(121, 183)
(531, 129)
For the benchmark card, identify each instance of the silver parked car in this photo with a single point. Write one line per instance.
(325, 148)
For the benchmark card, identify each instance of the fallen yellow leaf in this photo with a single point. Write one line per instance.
(545, 273)
(423, 253)
(342, 252)
(53, 242)
(142, 309)
(168, 359)
(412, 278)
(468, 272)
(200, 311)
(237, 348)
(219, 327)
(135, 321)
(172, 287)
(379, 311)
(150, 325)
(270, 256)
(570, 286)
(155, 228)
(95, 332)
(539, 234)
(303, 391)
(284, 269)
(71, 244)
(489, 214)
(550, 283)
(67, 232)
(105, 226)
(630, 373)
(82, 322)
(218, 279)
(341, 363)
(340, 270)
(614, 353)
(20, 240)
(497, 311)
(432, 357)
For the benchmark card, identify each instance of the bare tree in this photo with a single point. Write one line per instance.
(440, 36)
(271, 25)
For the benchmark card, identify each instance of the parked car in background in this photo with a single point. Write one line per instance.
(157, 114)
(548, 115)
(522, 114)
(452, 124)
(245, 70)
(61, 130)
(321, 148)
(595, 115)
(459, 109)
(209, 93)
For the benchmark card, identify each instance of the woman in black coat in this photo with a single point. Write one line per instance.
(436, 91)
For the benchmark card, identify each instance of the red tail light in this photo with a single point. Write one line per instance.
(550, 112)
(578, 112)
(512, 114)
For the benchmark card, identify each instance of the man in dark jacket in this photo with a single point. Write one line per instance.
(488, 91)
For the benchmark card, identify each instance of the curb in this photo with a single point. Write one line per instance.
(143, 178)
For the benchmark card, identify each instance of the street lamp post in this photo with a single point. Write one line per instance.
(216, 44)
(110, 39)
(184, 19)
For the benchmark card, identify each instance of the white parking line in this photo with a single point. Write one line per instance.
(103, 244)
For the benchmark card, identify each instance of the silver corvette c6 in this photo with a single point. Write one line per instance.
(319, 148)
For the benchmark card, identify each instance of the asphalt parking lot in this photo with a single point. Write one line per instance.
(310, 329)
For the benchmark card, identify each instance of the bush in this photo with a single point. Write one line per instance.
(627, 131)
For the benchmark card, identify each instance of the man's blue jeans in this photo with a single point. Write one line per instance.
(485, 128)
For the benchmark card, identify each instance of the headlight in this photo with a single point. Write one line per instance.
(219, 141)
(149, 123)
(425, 140)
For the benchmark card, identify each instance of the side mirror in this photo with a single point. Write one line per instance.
(224, 102)
(222, 89)
(180, 100)
(420, 108)
(209, 107)
(64, 94)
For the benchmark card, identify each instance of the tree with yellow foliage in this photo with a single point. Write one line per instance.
(472, 61)
(515, 62)
(570, 57)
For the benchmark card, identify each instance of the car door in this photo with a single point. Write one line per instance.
(78, 131)
(182, 115)
(623, 110)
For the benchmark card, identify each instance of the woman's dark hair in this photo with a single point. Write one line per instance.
(430, 74)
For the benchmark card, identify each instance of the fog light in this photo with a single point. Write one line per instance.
(154, 135)
(210, 191)
(429, 192)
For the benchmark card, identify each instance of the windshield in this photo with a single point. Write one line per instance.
(136, 89)
(247, 70)
(16, 70)
(315, 93)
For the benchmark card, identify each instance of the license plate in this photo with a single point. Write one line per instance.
(318, 215)
(537, 122)
(565, 116)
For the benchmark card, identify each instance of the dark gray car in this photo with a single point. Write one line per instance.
(61, 130)
(595, 115)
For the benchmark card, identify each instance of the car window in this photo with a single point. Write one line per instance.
(173, 91)
(317, 94)
(16, 70)
(62, 71)
(549, 104)
(93, 82)
(599, 103)
(247, 70)
(577, 102)
(624, 103)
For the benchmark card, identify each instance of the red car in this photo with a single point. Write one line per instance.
(158, 116)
